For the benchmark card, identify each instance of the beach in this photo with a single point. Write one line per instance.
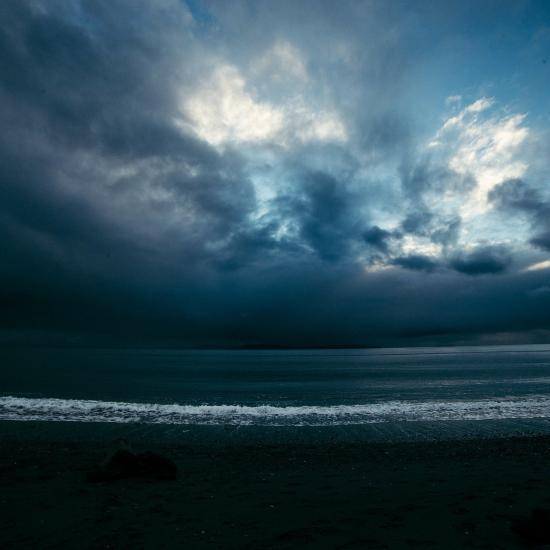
(228, 494)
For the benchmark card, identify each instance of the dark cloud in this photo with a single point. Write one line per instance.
(378, 238)
(427, 175)
(438, 229)
(325, 213)
(516, 195)
(417, 222)
(416, 262)
(430, 178)
(542, 240)
(482, 261)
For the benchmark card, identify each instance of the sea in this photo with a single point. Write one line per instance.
(391, 393)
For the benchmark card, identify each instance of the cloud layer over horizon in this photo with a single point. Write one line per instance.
(274, 173)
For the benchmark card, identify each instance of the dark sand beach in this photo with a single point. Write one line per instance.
(443, 494)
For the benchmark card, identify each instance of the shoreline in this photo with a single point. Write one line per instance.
(219, 435)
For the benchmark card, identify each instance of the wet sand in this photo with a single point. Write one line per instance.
(446, 494)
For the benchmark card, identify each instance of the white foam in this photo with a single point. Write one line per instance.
(22, 408)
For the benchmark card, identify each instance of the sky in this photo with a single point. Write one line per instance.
(274, 173)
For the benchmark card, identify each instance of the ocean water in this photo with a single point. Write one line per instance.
(506, 388)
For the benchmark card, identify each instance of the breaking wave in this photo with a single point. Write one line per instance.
(72, 410)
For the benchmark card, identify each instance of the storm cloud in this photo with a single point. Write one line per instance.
(261, 174)
(516, 196)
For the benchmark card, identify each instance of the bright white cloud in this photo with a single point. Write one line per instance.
(479, 105)
(224, 110)
(480, 146)
(413, 244)
(486, 147)
(458, 120)
(538, 266)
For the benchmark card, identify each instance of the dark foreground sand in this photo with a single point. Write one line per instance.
(366, 495)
